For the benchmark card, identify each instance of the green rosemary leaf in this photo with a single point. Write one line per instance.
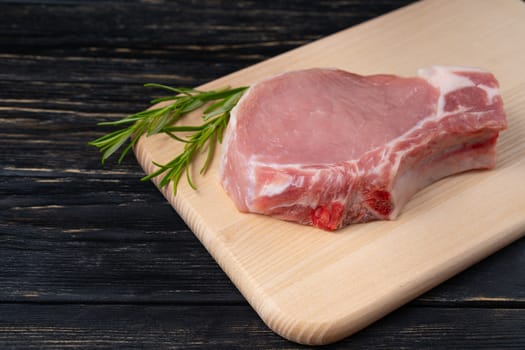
(175, 137)
(178, 90)
(188, 176)
(163, 99)
(220, 94)
(209, 155)
(197, 138)
(191, 106)
(213, 107)
(130, 119)
(183, 128)
(125, 151)
(225, 106)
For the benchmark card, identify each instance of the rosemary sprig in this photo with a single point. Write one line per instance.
(162, 119)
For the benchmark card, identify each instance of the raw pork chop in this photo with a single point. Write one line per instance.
(327, 148)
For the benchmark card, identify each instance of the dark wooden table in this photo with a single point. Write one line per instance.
(90, 257)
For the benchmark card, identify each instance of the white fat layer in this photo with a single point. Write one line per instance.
(273, 189)
(444, 78)
(491, 92)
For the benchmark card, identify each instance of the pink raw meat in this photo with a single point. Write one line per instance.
(326, 147)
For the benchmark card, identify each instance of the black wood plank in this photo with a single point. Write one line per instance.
(237, 327)
(84, 103)
(142, 41)
(91, 257)
(201, 27)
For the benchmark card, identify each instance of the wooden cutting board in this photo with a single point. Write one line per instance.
(316, 287)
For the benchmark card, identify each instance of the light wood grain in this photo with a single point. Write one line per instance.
(315, 287)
